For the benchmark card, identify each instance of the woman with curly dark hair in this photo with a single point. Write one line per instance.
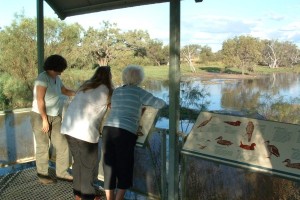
(46, 117)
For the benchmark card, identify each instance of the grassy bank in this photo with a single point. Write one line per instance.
(75, 76)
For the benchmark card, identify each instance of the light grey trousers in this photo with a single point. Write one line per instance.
(58, 141)
(85, 167)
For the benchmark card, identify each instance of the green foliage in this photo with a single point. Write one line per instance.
(206, 55)
(102, 45)
(278, 109)
(192, 98)
(18, 50)
(64, 39)
(279, 54)
(108, 45)
(243, 52)
(157, 53)
(13, 93)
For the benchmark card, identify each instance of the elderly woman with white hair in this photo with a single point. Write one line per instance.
(119, 131)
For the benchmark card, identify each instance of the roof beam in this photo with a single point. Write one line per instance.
(97, 7)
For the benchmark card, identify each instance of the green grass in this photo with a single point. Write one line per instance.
(162, 72)
(257, 70)
(267, 70)
(157, 72)
(74, 77)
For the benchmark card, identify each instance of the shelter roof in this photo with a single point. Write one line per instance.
(67, 8)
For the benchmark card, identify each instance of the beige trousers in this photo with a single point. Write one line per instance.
(43, 141)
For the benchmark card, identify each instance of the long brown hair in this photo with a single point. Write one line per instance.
(102, 75)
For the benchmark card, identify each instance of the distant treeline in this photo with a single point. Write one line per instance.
(109, 45)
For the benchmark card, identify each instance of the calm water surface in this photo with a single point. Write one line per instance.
(231, 94)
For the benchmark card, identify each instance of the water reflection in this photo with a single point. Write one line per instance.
(224, 92)
(232, 94)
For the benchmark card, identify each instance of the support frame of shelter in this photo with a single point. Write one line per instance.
(260, 145)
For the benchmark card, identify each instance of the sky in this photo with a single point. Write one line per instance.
(210, 22)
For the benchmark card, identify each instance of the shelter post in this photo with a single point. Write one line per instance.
(174, 88)
(40, 34)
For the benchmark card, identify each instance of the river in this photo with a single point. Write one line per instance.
(227, 95)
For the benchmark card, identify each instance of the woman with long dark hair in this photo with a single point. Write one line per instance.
(81, 125)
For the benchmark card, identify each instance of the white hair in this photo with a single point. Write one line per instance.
(133, 75)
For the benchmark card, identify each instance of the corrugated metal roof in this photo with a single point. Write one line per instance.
(67, 8)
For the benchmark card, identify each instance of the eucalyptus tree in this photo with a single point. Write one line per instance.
(137, 43)
(189, 53)
(206, 55)
(65, 39)
(279, 54)
(18, 49)
(101, 45)
(157, 52)
(243, 52)
(18, 58)
(108, 45)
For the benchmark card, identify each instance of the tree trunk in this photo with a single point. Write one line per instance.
(192, 66)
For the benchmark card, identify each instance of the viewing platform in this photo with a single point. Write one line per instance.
(23, 184)
(210, 168)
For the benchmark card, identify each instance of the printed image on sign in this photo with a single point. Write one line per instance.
(245, 142)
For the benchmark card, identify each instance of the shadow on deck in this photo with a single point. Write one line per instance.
(24, 184)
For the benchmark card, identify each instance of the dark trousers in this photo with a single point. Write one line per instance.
(85, 167)
(118, 157)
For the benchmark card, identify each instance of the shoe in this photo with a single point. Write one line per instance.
(45, 179)
(67, 178)
(97, 184)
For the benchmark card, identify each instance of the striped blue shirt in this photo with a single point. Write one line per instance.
(126, 105)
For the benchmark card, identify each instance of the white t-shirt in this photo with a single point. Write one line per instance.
(53, 96)
(83, 116)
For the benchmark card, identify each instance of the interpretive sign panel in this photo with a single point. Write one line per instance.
(267, 146)
(146, 122)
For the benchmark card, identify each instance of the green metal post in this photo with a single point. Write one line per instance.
(174, 87)
(163, 151)
(40, 34)
(183, 180)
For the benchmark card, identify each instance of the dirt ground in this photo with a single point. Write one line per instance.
(208, 75)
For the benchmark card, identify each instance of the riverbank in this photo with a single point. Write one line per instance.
(211, 72)
(211, 75)
(72, 77)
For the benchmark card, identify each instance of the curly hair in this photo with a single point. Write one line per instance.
(133, 75)
(56, 63)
